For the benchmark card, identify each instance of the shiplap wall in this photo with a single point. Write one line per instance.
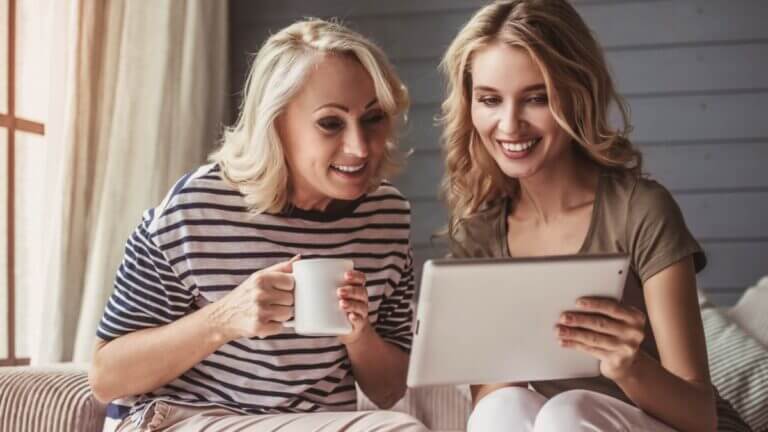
(695, 74)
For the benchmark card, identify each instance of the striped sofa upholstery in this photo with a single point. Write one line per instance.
(50, 399)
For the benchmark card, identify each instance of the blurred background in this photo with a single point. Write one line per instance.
(103, 104)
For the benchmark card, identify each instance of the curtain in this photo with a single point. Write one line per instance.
(138, 97)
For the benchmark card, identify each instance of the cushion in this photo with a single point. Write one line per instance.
(739, 367)
(50, 399)
(749, 312)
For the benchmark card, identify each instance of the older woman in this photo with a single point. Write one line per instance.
(195, 324)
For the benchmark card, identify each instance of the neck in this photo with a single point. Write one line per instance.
(557, 189)
(308, 201)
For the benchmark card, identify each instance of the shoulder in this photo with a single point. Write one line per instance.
(204, 187)
(476, 235)
(651, 198)
(386, 198)
(635, 195)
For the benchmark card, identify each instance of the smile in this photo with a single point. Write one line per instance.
(350, 169)
(519, 146)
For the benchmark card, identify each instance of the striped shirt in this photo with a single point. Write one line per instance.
(201, 242)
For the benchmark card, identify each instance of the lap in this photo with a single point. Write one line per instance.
(576, 410)
(167, 417)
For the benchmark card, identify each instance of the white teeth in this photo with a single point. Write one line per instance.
(518, 147)
(348, 168)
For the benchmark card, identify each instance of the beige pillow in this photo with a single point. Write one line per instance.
(739, 367)
(750, 312)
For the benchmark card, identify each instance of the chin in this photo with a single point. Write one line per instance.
(519, 173)
(515, 170)
(347, 193)
(348, 189)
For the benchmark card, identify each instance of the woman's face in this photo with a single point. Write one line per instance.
(510, 111)
(334, 133)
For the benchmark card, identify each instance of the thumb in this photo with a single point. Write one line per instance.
(283, 267)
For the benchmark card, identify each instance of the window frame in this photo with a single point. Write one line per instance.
(13, 124)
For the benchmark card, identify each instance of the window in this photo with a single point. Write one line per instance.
(23, 114)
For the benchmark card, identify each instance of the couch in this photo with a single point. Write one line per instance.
(57, 398)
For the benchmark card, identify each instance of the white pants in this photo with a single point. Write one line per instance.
(521, 409)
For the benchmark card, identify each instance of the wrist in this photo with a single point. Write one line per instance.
(634, 372)
(214, 325)
(365, 334)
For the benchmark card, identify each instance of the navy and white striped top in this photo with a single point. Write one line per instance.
(201, 242)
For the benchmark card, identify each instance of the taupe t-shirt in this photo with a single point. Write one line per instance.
(631, 215)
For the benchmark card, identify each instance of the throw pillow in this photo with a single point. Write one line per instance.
(739, 367)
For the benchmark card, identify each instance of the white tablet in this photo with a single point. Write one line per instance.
(481, 321)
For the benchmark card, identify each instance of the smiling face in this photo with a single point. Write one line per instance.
(334, 133)
(510, 111)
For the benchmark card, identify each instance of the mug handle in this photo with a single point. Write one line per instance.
(290, 323)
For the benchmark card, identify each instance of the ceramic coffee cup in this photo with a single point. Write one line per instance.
(316, 304)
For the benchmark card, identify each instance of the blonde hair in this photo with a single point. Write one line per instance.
(251, 155)
(578, 83)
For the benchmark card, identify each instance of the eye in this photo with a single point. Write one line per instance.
(374, 118)
(539, 99)
(489, 101)
(330, 124)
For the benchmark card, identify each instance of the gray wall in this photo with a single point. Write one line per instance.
(695, 74)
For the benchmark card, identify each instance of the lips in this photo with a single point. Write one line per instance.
(518, 149)
(349, 170)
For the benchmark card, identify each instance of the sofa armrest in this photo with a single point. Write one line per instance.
(51, 399)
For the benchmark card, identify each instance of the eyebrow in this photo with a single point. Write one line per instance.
(532, 87)
(344, 108)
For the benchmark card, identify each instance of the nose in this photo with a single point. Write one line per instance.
(356, 142)
(510, 121)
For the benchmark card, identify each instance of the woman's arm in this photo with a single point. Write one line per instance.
(676, 390)
(379, 367)
(145, 360)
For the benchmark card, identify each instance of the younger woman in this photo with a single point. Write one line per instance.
(533, 168)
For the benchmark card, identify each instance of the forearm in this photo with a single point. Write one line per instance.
(380, 368)
(670, 398)
(145, 360)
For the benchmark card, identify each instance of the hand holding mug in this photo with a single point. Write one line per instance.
(258, 306)
(353, 300)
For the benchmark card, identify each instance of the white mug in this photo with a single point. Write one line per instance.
(316, 304)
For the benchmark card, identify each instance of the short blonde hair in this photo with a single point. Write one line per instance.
(251, 155)
(578, 83)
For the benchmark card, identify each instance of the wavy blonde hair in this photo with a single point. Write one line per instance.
(251, 155)
(578, 83)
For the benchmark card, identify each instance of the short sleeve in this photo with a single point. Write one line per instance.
(147, 293)
(395, 320)
(656, 230)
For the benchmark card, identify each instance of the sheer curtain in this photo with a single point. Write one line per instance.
(138, 97)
